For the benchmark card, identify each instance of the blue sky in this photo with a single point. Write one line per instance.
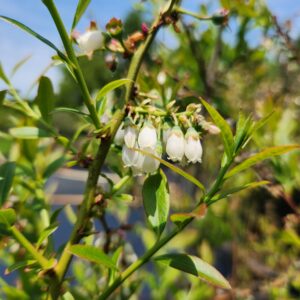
(16, 44)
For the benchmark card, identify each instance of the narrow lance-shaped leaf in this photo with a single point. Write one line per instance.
(7, 172)
(2, 96)
(110, 87)
(28, 133)
(195, 266)
(36, 35)
(223, 125)
(20, 64)
(156, 201)
(7, 216)
(256, 158)
(234, 190)
(198, 213)
(92, 254)
(45, 98)
(81, 8)
(174, 169)
(3, 75)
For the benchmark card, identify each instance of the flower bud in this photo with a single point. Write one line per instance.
(193, 149)
(130, 136)
(147, 136)
(115, 27)
(90, 41)
(130, 157)
(161, 78)
(175, 144)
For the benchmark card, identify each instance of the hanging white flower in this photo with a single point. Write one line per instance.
(119, 137)
(151, 164)
(130, 136)
(161, 78)
(193, 148)
(130, 157)
(90, 41)
(147, 136)
(175, 144)
(165, 133)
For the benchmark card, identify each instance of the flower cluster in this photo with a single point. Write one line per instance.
(137, 142)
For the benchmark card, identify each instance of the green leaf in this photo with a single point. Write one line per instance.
(7, 216)
(224, 127)
(110, 87)
(242, 131)
(7, 172)
(36, 35)
(156, 201)
(45, 234)
(174, 169)
(2, 96)
(256, 158)
(28, 133)
(54, 166)
(3, 75)
(45, 98)
(20, 64)
(19, 265)
(260, 123)
(195, 266)
(92, 254)
(234, 190)
(199, 212)
(74, 111)
(81, 8)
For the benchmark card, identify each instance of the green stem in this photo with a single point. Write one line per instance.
(147, 256)
(72, 56)
(105, 143)
(183, 11)
(44, 263)
(141, 261)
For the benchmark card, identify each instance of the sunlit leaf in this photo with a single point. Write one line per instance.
(199, 212)
(7, 216)
(92, 254)
(7, 172)
(36, 35)
(54, 166)
(256, 158)
(29, 133)
(223, 125)
(81, 8)
(20, 64)
(45, 98)
(234, 190)
(3, 75)
(110, 87)
(45, 234)
(19, 265)
(2, 96)
(195, 266)
(156, 201)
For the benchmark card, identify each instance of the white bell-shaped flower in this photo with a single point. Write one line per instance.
(161, 78)
(119, 137)
(193, 148)
(147, 136)
(175, 144)
(130, 136)
(90, 41)
(151, 164)
(130, 157)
